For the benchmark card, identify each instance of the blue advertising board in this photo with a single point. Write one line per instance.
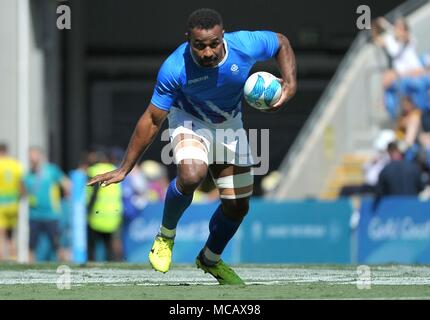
(191, 235)
(398, 231)
(296, 232)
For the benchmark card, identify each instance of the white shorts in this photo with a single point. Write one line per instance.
(224, 143)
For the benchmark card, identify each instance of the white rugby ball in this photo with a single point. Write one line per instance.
(262, 90)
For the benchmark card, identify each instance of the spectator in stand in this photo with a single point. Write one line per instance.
(408, 127)
(406, 74)
(400, 177)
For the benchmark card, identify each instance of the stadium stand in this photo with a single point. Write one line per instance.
(339, 134)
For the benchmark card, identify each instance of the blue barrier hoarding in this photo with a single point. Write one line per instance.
(191, 234)
(398, 231)
(296, 232)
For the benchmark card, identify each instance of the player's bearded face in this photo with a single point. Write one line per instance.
(207, 45)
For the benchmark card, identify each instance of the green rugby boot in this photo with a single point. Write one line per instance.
(220, 271)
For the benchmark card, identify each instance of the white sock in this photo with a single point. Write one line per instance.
(167, 233)
(210, 256)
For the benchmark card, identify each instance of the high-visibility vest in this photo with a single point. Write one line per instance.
(106, 213)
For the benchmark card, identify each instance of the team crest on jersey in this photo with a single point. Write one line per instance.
(234, 68)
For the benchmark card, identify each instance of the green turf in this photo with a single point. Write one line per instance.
(198, 292)
(123, 281)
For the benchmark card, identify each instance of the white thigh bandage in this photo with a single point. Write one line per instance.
(235, 186)
(190, 149)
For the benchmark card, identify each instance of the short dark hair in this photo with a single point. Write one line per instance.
(392, 147)
(3, 147)
(204, 19)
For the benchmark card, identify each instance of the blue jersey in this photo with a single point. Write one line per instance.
(44, 192)
(213, 95)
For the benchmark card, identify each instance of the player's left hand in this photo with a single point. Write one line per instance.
(287, 94)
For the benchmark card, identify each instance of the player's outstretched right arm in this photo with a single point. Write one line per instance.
(146, 129)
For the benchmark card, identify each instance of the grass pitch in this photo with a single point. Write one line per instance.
(125, 281)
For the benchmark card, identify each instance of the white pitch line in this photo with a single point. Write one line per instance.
(183, 275)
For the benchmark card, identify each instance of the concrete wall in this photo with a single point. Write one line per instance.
(9, 74)
(22, 77)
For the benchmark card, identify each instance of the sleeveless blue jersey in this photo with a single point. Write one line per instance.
(213, 95)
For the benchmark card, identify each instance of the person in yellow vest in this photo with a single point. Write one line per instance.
(105, 208)
(10, 192)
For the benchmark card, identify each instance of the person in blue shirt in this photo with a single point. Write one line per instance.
(42, 185)
(199, 89)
